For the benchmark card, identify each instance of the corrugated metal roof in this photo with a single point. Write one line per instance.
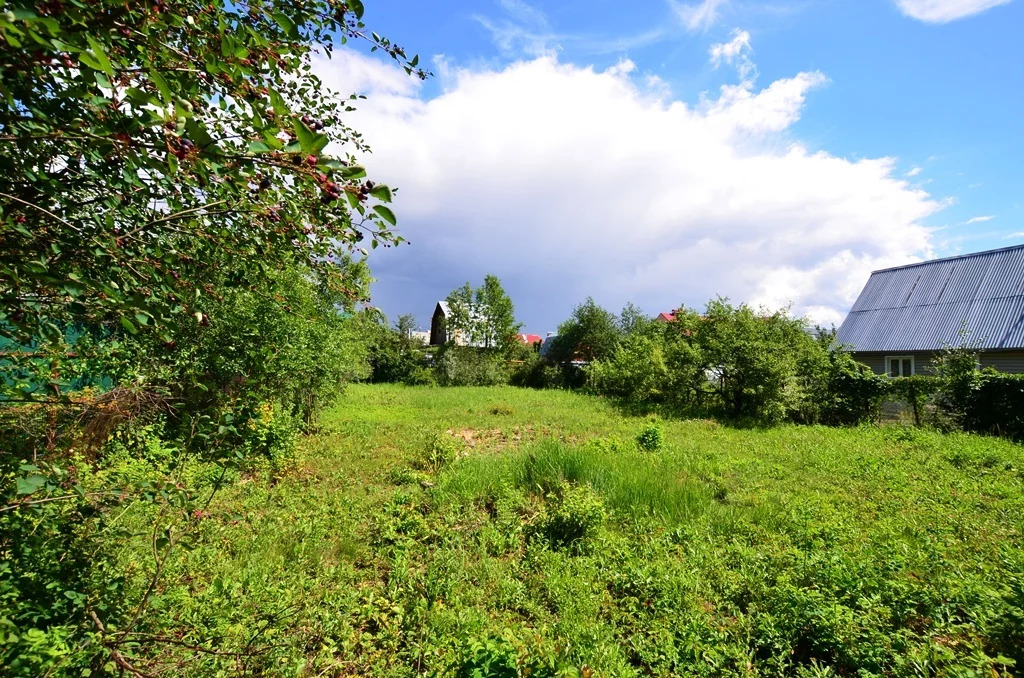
(923, 307)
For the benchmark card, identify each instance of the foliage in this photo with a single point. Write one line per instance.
(996, 405)
(157, 153)
(571, 517)
(180, 262)
(837, 390)
(650, 439)
(468, 366)
(794, 550)
(484, 317)
(393, 356)
(591, 333)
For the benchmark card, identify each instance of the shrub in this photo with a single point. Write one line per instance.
(650, 439)
(468, 366)
(572, 516)
(441, 450)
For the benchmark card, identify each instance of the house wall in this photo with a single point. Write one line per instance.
(1011, 362)
(438, 335)
(1004, 361)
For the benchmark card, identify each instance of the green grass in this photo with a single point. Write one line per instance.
(412, 537)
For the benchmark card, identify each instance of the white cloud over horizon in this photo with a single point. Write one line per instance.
(944, 11)
(568, 181)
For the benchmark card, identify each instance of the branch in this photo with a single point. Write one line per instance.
(114, 654)
(43, 210)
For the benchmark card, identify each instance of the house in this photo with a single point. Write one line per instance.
(667, 317)
(906, 315)
(530, 339)
(440, 332)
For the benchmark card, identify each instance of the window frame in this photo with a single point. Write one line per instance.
(900, 359)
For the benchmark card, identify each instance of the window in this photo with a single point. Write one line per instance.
(899, 365)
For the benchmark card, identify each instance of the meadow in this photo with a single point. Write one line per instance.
(503, 532)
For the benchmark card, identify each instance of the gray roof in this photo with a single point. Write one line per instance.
(923, 307)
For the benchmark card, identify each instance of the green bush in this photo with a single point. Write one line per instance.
(650, 439)
(995, 405)
(468, 366)
(571, 517)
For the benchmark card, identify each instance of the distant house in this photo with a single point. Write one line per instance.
(440, 331)
(530, 339)
(667, 317)
(907, 314)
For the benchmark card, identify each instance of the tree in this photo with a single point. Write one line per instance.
(498, 314)
(484, 316)
(592, 333)
(174, 223)
(153, 154)
(632, 318)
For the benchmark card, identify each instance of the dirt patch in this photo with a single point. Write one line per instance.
(492, 439)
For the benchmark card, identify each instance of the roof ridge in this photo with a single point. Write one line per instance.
(952, 258)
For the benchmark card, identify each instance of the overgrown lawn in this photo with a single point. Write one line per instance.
(492, 531)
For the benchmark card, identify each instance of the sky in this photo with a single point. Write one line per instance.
(664, 152)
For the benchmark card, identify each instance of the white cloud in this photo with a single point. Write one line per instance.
(699, 16)
(568, 181)
(944, 11)
(914, 171)
(523, 30)
(728, 51)
(1014, 236)
(978, 220)
(735, 52)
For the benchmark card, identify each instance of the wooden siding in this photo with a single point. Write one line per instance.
(1004, 361)
(1011, 362)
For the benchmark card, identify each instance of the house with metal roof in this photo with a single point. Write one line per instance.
(906, 315)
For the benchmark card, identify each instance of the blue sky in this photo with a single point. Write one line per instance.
(848, 136)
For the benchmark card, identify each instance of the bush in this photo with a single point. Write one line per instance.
(467, 366)
(650, 439)
(571, 517)
(995, 405)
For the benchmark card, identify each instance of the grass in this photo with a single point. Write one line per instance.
(419, 535)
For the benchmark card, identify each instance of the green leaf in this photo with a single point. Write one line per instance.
(198, 134)
(357, 8)
(286, 24)
(143, 318)
(382, 192)
(277, 101)
(310, 141)
(100, 56)
(127, 324)
(30, 484)
(259, 147)
(353, 172)
(386, 214)
(161, 85)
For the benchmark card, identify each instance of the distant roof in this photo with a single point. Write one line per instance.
(530, 338)
(924, 306)
(667, 317)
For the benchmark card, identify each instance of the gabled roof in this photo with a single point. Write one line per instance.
(923, 307)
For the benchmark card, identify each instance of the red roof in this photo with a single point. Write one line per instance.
(667, 317)
(529, 338)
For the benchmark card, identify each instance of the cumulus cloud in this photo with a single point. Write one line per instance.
(568, 181)
(698, 16)
(944, 11)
